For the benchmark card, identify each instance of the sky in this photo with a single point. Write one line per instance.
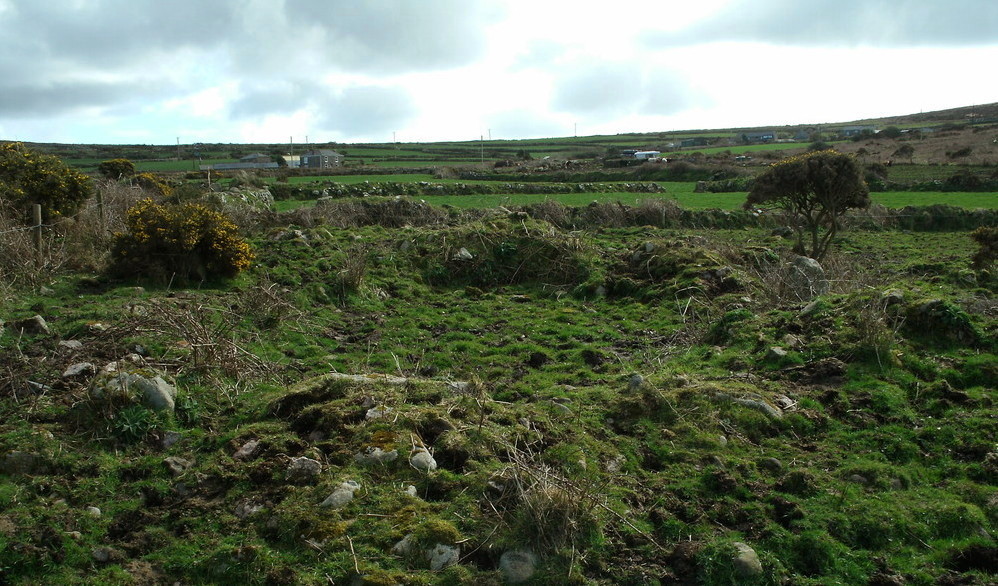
(273, 71)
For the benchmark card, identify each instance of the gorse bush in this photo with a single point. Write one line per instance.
(27, 178)
(179, 242)
(153, 184)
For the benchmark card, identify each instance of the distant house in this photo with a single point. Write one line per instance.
(759, 136)
(693, 142)
(321, 159)
(850, 131)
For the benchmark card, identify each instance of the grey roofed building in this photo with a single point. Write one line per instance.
(321, 159)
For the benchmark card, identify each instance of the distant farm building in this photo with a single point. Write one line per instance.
(693, 142)
(647, 155)
(850, 131)
(321, 159)
(759, 136)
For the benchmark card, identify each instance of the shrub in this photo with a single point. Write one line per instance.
(27, 178)
(154, 184)
(116, 168)
(987, 240)
(181, 241)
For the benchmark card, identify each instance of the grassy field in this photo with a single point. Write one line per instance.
(625, 418)
(681, 192)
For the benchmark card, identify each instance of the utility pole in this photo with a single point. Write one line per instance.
(178, 148)
(482, 138)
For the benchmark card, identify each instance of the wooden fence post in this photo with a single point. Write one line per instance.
(36, 212)
(100, 207)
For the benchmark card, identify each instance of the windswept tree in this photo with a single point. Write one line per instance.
(815, 189)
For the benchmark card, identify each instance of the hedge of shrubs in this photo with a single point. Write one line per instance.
(283, 191)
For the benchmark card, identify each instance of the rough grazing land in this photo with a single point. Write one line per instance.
(501, 400)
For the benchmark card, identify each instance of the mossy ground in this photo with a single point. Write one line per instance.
(880, 466)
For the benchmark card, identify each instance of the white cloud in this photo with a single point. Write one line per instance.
(226, 70)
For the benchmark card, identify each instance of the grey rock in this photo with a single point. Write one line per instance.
(892, 297)
(462, 254)
(405, 545)
(858, 479)
(809, 309)
(775, 354)
(635, 382)
(32, 326)
(68, 344)
(247, 509)
(722, 441)
(102, 555)
(247, 450)
(177, 465)
(422, 460)
(783, 232)
(79, 369)
(411, 491)
(601, 291)
(441, 556)
(303, 470)
(342, 495)
(155, 393)
(170, 439)
(377, 412)
(746, 560)
(806, 278)
(771, 464)
(93, 511)
(517, 566)
(46, 291)
(374, 455)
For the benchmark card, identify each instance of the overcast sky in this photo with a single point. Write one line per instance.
(150, 71)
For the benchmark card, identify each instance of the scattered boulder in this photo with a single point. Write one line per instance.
(171, 438)
(375, 455)
(93, 511)
(377, 412)
(31, 326)
(248, 508)
(771, 464)
(67, 344)
(247, 450)
(303, 470)
(177, 465)
(79, 369)
(776, 354)
(517, 566)
(783, 232)
(462, 254)
(806, 278)
(441, 556)
(746, 560)
(149, 389)
(104, 555)
(342, 495)
(422, 460)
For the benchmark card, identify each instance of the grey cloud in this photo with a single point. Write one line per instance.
(52, 99)
(884, 23)
(398, 35)
(278, 98)
(364, 111)
(622, 88)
